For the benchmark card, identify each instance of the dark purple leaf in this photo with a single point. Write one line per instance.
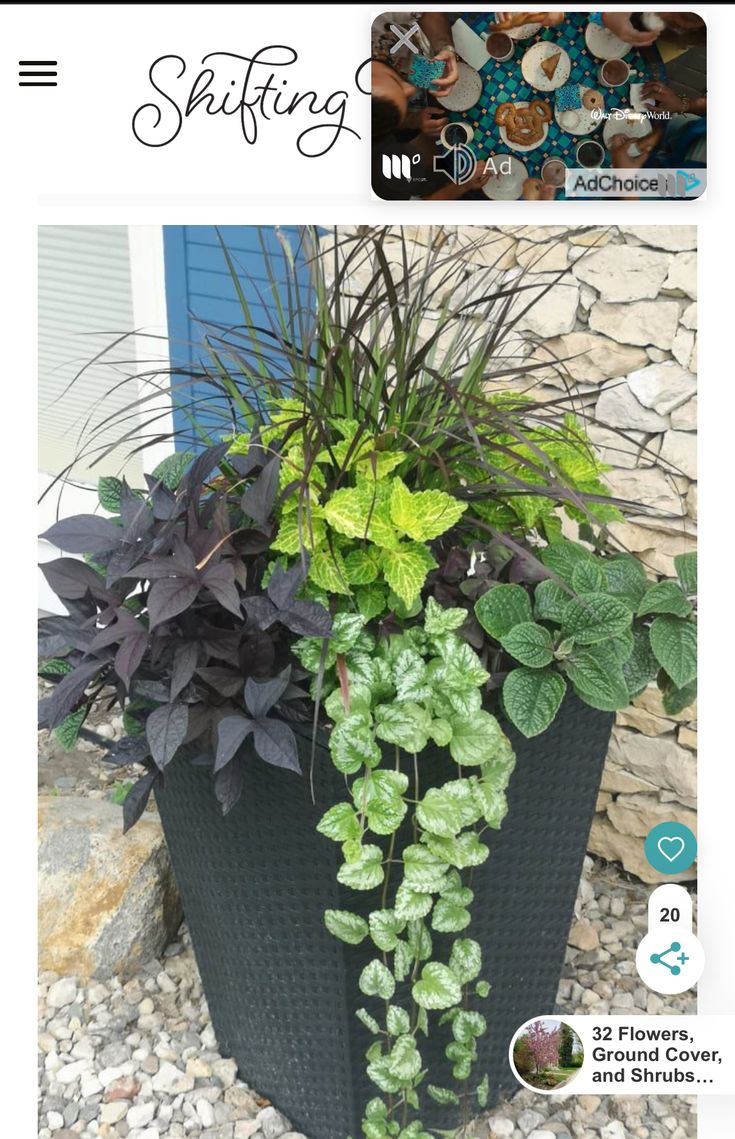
(307, 618)
(223, 680)
(231, 731)
(276, 744)
(257, 501)
(169, 597)
(184, 663)
(154, 690)
(130, 749)
(68, 691)
(137, 799)
(260, 610)
(203, 466)
(220, 581)
(124, 626)
(72, 579)
(283, 584)
(121, 564)
(129, 656)
(228, 783)
(136, 514)
(84, 534)
(165, 729)
(200, 719)
(75, 635)
(260, 698)
(257, 654)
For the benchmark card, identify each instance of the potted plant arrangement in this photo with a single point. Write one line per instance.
(356, 625)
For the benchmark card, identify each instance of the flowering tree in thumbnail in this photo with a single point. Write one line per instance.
(543, 1044)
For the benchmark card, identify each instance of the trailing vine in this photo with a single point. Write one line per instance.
(389, 701)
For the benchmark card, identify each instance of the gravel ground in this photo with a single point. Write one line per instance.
(140, 1060)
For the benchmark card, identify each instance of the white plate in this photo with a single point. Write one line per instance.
(507, 187)
(515, 146)
(618, 123)
(531, 66)
(604, 44)
(466, 90)
(524, 32)
(585, 123)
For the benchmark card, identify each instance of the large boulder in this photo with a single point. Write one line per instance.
(107, 902)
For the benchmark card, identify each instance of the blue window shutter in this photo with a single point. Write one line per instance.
(199, 290)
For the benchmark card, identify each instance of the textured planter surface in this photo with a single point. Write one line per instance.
(282, 991)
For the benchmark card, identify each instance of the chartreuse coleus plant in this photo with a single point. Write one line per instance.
(598, 624)
(388, 701)
(366, 537)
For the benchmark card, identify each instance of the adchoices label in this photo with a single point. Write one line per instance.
(673, 182)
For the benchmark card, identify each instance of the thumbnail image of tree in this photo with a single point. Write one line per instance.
(547, 1054)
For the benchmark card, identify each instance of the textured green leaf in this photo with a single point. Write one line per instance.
(441, 732)
(377, 981)
(442, 1095)
(594, 617)
(171, 469)
(364, 874)
(409, 676)
(327, 570)
(385, 928)
(352, 746)
(438, 620)
(587, 577)
(550, 601)
(437, 988)
(531, 699)
(109, 490)
(465, 959)
(412, 904)
(406, 568)
(675, 700)
(346, 513)
(483, 1090)
(55, 667)
(563, 557)
(501, 608)
(439, 813)
(346, 926)
(674, 644)
(460, 669)
(379, 1072)
(369, 1021)
(371, 600)
(530, 644)
(67, 732)
(597, 678)
(665, 597)
(404, 1059)
(423, 870)
(346, 631)
(397, 1021)
(424, 514)
(406, 724)
(402, 960)
(340, 823)
(641, 666)
(460, 790)
(475, 740)
(385, 814)
(299, 531)
(360, 568)
(463, 851)
(468, 1026)
(625, 578)
(686, 571)
(449, 917)
(482, 988)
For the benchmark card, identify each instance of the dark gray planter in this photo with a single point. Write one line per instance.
(282, 991)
